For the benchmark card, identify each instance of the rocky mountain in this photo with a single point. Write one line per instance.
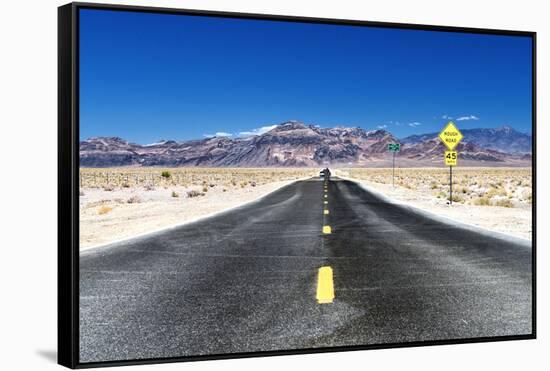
(431, 150)
(503, 139)
(288, 144)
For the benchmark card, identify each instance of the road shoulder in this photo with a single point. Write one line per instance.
(498, 222)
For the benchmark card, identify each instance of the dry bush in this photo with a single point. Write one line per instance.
(133, 200)
(458, 198)
(194, 193)
(481, 201)
(104, 209)
(504, 202)
(175, 194)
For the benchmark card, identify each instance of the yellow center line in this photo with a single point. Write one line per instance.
(327, 229)
(326, 196)
(325, 212)
(326, 202)
(325, 286)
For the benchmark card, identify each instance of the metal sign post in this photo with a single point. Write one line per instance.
(393, 171)
(450, 136)
(450, 185)
(393, 147)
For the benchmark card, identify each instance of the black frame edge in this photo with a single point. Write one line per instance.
(306, 19)
(67, 259)
(534, 184)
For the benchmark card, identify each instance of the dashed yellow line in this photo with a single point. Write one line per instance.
(327, 229)
(325, 286)
(325, 212)
(326, 202)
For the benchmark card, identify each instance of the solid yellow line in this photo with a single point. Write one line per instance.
(325, 286)
(327, 229)
(325, 212)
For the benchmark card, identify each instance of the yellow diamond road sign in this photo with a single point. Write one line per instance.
(450, 136)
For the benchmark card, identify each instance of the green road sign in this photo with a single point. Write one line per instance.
(394, 147)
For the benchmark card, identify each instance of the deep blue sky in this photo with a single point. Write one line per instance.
(148, 76)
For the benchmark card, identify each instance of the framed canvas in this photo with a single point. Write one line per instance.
(236, 185)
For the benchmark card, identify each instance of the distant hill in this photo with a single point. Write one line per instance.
(295, 144)
(503, 139)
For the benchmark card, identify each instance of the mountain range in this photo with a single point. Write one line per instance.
(295, 144)
(504, 139)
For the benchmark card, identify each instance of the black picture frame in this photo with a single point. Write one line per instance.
(68, 191)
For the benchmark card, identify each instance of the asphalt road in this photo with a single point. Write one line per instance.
(248, 280)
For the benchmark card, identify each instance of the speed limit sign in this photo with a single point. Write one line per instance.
(451, 158)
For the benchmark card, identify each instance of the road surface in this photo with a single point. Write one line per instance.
(299, 270)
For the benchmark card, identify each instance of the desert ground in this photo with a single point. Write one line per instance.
(498, 199)
(117, 203)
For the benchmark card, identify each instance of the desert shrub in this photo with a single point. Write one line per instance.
(253, 184)
(175, 194)
(504, 202)
(205, 189)
(194, 193)
(125, 185)
(149, 187)
(104, 209)
(460, 189)
(133, 200)
(166, 174)
(108, 188)
(457, 198)
(481, 201)
(496, 192)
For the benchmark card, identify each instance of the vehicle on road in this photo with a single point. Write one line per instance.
(325, 173)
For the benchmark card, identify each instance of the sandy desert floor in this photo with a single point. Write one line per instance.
(120, 203)
(495, 199)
